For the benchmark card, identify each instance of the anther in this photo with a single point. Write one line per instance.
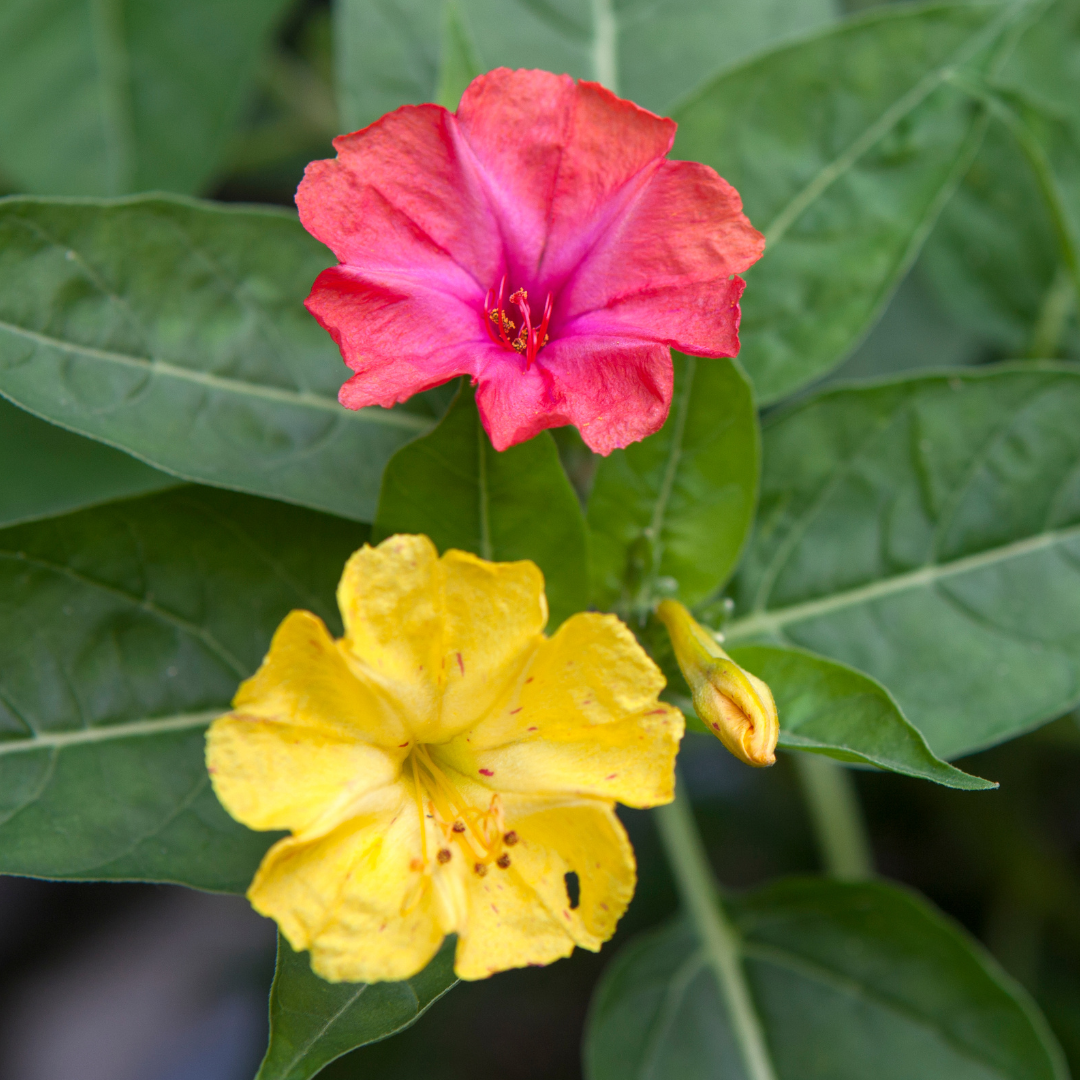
(503, 861)
(510, 839)
(480, 869)
(458, 826)
(444, 855)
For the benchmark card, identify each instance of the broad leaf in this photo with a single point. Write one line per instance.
(103, 98)
(45, 470)
(670, 514)
(312, 1021)
(398, 51)
(849, 981)
(828, 708)
(844, 148)
(123, 631)
(927, 531)
(176, 330)
(454, 487)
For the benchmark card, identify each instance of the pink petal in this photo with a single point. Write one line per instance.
(614, 392)
(399, 195)
(665, 270)
(553, 154)
(398, 337)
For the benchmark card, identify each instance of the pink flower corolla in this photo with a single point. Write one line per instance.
(537, 240)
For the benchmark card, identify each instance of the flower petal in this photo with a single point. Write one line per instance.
(663, 271)
(523, 915)
(355, 896)
(445, 638)
(400, 195)
(400, 334)
(554, 154)
(305, 737)
(585, 721)
(614, 391)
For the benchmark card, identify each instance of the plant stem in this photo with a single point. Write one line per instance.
(838, 822)
(698, 891)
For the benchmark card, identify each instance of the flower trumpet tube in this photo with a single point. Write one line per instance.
(737, 706)
(443, 768)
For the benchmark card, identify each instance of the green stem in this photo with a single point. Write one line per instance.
(1057, 306)
(838, 822)
(697, 888)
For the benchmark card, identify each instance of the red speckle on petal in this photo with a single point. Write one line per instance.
(514, 712)
(529, 680)
(612, 776)
(461, 663)
(401, 746)
(487, 772)
(657, 712)
(533, 728)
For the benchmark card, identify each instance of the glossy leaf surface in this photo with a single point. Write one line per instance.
(831, 709)
(176, 330)
(45, 470)
(844, 148)
(927, 531)
(113, 96)
(669, 515)
(397, 52)
(849, 981)
(454, 487)
(312, 1021)
(123, 631)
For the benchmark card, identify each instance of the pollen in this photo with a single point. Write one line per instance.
(480, 868)
(527, 339)
(445, 855)
(510, 839)
(503, 861)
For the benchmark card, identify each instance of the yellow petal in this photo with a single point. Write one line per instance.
(307, 680)
(302, 742)
(356, 897)
(444, 637)
(585, 719)
(522, 915)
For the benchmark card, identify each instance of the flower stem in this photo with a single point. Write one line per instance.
(698, 891)
(838, 822)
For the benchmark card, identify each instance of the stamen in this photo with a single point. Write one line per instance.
(503, 861)
(529, 339)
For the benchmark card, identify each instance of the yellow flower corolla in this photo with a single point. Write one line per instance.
(443, 768)
(738, 707)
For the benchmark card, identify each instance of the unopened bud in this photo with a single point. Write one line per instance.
(737, 706)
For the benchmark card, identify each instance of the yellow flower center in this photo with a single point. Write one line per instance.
(449, 822)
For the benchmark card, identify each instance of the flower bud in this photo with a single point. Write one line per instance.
(736, 705)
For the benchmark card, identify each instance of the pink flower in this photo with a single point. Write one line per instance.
(537, 240)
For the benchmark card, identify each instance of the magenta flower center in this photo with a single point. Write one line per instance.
(520, 333)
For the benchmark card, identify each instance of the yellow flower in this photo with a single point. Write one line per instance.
(737, 706)
(443, 768)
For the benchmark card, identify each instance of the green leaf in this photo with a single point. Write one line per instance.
(993, 258)
(48, 471)
(124, 630)
(104, 97)
(454, 487)
(927, 531)
(670, 514)
(392, 52)
(176, 330)
(844, 147)
(831, 709)
(849, 980)
(312, 1022)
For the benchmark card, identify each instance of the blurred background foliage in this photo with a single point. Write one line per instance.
(157, 983)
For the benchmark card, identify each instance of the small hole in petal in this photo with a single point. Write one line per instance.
(573, 889)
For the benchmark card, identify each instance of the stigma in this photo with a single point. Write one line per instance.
(520, 335)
